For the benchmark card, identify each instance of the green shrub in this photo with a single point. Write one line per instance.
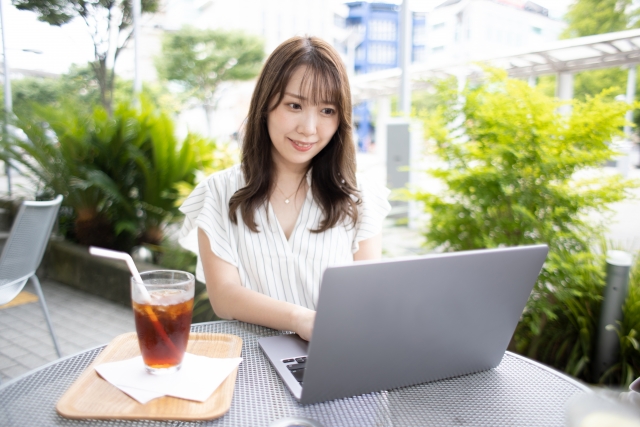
(517, 172)
(121, 175)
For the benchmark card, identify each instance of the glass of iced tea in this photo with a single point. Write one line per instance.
(163, 323)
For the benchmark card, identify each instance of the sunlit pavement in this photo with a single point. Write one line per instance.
(80, 321)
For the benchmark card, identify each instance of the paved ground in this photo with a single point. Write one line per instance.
(80, 320)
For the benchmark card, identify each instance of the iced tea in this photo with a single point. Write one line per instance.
(173, 312)
(163, 321)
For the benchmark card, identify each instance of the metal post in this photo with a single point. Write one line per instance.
(626, 147)
(398, 159)
(631, 96)
(137, 82)
(607, 345)
(564, 90)
(405, 58)
(383, 107)
(7, 95)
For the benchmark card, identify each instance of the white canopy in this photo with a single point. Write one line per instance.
(564, 56)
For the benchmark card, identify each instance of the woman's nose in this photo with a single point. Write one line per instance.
(307, 124)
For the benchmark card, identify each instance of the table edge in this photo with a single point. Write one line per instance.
(53, 362)
(551, 370)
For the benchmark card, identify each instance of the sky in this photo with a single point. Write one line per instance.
(61, 46)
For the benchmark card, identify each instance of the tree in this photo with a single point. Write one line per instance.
(200, 60)
(103, 18)
(121, 175)
(588, 17)
(518, 172)
(79, 87)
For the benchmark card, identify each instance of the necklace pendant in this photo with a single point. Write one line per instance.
(286, 201)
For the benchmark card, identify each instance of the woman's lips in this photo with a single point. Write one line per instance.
(301, 146)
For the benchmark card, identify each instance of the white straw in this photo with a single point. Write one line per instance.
(123, 256)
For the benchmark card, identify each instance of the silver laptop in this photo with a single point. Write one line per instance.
(394, 323)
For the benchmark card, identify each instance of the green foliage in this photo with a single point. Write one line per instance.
(518, 172)
(80, 88)
(202, 59)
(199, 60)
(164, 163)
(109, 24)
(61, 12)
(590, 83)
(120, 175)
(172, 256)
(588, 17)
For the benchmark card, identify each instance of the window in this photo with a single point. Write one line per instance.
(374, 68)
(382, 53)
(437, 49)
(419, 54)
(419, 34)
(438, 26)
(382, 30)
(536, 30)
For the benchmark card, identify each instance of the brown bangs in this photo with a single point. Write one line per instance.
(320, 78)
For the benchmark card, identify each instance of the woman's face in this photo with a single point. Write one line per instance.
(298, 129)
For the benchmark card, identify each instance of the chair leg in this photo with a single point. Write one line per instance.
(36, 284)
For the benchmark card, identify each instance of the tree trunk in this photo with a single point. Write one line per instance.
(105, 78)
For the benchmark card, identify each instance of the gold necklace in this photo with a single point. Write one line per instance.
(286, 199)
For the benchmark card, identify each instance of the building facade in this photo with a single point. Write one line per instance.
(379, 26)
(465, 30)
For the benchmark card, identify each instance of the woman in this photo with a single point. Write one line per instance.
(268, 228)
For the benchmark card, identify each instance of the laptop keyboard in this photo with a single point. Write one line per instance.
(296, 366)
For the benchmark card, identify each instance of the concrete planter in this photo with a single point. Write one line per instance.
(72, 265)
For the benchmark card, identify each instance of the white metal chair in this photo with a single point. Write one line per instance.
(24, 250)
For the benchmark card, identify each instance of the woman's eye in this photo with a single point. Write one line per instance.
(328, 111)
(295, 106)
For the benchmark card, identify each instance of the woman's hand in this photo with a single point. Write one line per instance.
(303, 320)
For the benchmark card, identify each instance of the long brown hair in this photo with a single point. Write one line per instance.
(334, 168)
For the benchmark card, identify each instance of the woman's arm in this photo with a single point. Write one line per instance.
(369, 249)
(231, 300)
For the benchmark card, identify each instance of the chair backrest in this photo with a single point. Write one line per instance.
(28, 239)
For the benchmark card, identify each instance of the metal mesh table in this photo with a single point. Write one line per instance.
(519, 392)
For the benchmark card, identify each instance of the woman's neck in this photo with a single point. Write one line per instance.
(287, 174)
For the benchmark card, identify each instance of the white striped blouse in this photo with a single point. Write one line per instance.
(287, 270)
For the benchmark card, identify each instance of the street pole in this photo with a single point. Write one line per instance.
(7, 96)
(630, 97)
(405, 58)
(615, 294)
(137, 81)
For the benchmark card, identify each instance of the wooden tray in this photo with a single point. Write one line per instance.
(93, 397)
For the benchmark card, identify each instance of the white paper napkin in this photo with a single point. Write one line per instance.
(196, 380)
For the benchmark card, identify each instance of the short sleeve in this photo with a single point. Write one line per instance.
(371, 212)
(207, 208)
